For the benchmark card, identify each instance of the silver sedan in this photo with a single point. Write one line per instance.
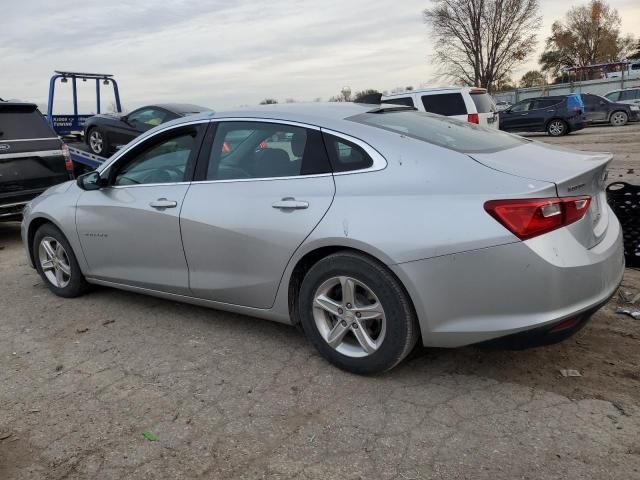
(374, 227)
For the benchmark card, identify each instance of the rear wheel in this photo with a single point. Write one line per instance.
(557, 128)
(357, 314)
(619, 119)
(97, 141)
(56, 263)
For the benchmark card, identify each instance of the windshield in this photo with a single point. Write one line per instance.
(484, 102)
(445, 132)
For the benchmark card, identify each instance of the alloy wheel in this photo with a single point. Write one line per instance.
(95, 141)
(556, 128)
(349, 316)
(618, 119)
(54, 262)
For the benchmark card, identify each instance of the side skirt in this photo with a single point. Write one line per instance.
(201, 302)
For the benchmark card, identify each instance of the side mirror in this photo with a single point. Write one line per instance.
(91, 181)
(124, 119)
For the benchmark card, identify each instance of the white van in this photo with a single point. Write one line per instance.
(631, 71)
(470, 104)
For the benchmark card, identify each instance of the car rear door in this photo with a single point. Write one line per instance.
(596, 109)
(31, 156)
(130, 229)
(260, 190)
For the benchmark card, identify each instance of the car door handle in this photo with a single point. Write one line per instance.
(163, 203)
(523, 114)
(290, 203)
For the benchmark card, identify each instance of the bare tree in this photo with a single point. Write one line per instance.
(480, 42)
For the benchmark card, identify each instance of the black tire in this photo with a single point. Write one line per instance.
(402, 330)
(101, 148)
(618, 118)
(77, 285)
(557, 127)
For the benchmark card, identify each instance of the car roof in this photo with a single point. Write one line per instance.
(181, 108)
(315, 113)
(437, 89)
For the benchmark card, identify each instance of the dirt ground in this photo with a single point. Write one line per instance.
(228, 396)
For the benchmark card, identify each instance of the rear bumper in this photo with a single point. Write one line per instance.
(484, 294)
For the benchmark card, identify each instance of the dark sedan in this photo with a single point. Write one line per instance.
(599, 109)
(104, 133)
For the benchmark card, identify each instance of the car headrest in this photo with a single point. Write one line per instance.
(272, 162)
(298, 142)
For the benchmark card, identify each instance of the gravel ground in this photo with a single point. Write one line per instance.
(228, 396)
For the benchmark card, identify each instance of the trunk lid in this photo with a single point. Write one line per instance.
(574, 173)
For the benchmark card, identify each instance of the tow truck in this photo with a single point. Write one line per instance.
(70, 126)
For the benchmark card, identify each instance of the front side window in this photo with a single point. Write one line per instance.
(521, 107)
(447, 104)
(613, 96)
(445, 132)
(163, 162)
(629, 94)
(245, 150)
(148, 116)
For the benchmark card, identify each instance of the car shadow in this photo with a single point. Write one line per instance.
(9, 233)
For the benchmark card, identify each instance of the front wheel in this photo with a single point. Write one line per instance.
(619, 119)
(557, 128)
(56, 263)
(357, 314)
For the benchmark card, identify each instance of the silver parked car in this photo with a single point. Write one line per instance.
(372, 226)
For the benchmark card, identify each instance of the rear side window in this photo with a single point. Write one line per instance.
(545, 103)
(18, 123)
(483, 102)
(447, 104)
(346, 156)
(448, 133)
(245, 150)
(407, 101)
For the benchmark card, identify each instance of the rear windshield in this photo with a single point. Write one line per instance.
(447, 104)
(453, 134)
(20, 124)
(484, 102)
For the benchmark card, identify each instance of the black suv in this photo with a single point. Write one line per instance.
(32, 158)
(554, 115)
(599, 109)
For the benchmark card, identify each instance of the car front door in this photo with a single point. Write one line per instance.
(596, 109)
(130, 229)
(260, 190)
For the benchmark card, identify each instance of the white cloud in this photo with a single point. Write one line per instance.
(224, 53)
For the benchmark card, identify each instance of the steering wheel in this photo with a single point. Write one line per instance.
(157, 176)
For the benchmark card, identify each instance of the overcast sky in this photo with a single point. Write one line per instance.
(227, 53)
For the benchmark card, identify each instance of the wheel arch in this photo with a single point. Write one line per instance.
(32, 228)
(313, 255)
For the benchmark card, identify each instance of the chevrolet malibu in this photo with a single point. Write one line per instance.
(373, 227)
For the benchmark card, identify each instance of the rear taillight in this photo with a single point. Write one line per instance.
(473, 118)
(68, 163)
(529, 217)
